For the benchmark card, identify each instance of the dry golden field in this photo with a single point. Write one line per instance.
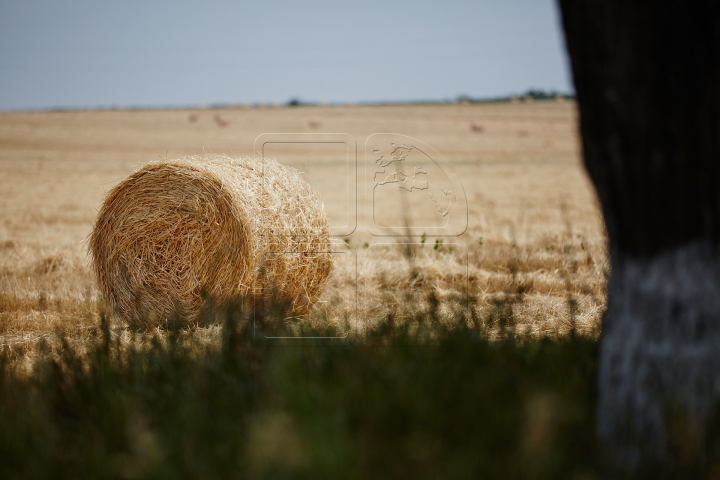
(533, 250)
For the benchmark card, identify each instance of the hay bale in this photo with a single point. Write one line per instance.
(175, 229)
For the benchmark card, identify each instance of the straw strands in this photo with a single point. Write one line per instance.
(229, 227)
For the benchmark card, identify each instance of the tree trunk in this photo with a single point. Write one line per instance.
(647, 79)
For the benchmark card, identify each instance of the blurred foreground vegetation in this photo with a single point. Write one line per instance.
(166, 405)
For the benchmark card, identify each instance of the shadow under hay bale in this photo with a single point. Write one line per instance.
(228, 227)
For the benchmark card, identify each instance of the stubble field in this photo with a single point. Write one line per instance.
(532, 258)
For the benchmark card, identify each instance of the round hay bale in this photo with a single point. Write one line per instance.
(229, 227)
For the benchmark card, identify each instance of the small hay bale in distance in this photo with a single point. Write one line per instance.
(229, 227)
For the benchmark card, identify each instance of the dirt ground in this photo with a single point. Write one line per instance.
(521, 226)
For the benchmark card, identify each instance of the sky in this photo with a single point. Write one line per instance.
(103, 53)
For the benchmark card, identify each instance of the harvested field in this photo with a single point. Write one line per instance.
(533, 254)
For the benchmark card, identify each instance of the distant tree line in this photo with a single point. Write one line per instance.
(533, 93)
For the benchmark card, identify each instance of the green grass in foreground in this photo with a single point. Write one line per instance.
(172, 408)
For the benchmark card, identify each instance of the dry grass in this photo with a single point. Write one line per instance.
(533, 256)
(213, 225)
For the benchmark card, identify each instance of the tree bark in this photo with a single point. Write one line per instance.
(647, 79)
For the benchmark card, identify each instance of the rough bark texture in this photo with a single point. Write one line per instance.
(660, 359)
(647, 78)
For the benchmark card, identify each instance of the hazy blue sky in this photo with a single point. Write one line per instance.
(90, 53)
